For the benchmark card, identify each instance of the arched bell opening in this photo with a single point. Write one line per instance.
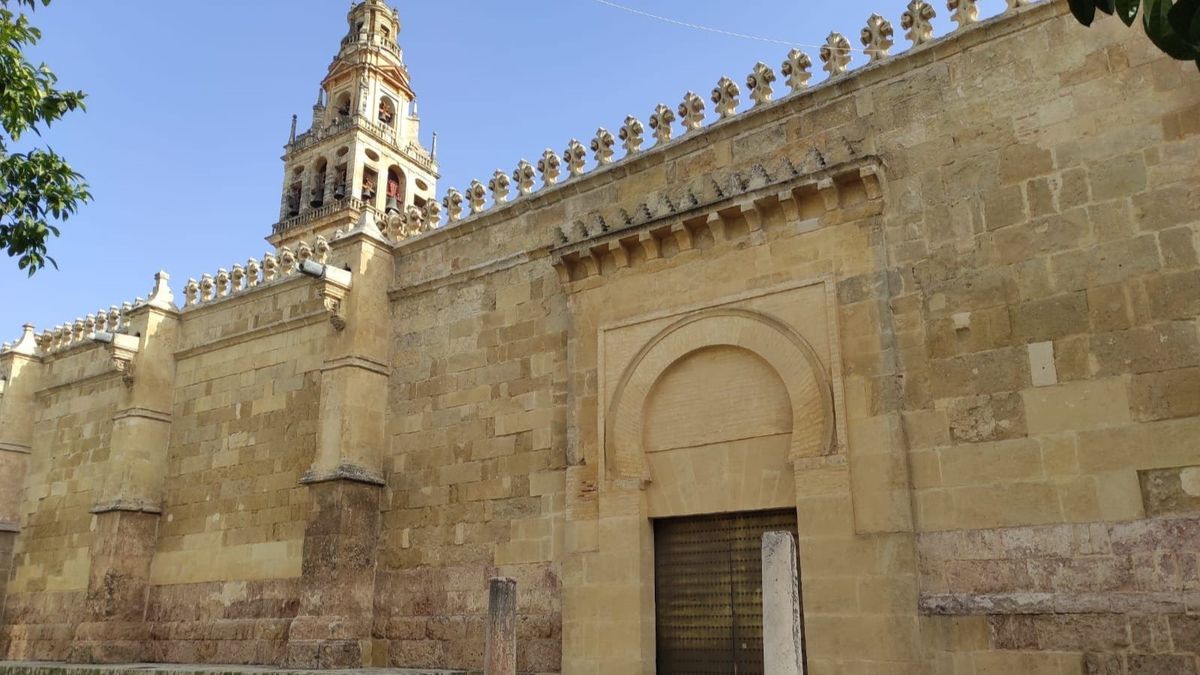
(320, 174)
(395, 189)
(342, 107)
(387, 112)
(295, 193)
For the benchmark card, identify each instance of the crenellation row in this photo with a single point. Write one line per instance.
(836, 55)
(95, 326)
(239, 278)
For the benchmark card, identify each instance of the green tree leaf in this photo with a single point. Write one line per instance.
(1106, 6)
(1127, 10)
(38, 186)
(1084, 11)
(1158, 29)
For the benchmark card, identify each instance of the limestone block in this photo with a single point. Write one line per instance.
(879, 476)
(1077, 406)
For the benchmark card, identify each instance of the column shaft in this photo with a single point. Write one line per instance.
(782, 633)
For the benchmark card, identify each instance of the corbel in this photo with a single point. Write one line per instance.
(828, 190)
(564, 269)
(683, 236)
(333, 287)
(619, 255)
(753, 216)
(591, 262)
(649, 245)
(122, 350)
(869, 175)
(787, 202)
(716, 226)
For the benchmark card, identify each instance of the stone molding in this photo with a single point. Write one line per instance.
(360, 362)
(9, 526)
(89, 379)
(126, 505)
(143, 413)
(712, 203)
(1164, 602)
(276, 328)
(775, 342)
(346, 472)
(461, 276)
(15, 447)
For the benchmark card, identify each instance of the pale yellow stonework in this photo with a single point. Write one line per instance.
(945, 307)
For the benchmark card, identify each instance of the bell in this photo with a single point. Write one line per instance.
(316, 201)
(393, 204)
(339, 192)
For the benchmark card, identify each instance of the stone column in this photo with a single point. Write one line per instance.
(500, 658)
(20, 369)
(129, 502)
(333, 626)
(782, 634)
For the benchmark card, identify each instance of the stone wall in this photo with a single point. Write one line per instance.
(477, 428)
(70, 450)
(227, 544)
(945, 308)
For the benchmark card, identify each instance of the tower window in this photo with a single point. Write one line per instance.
(293, 200)
(343, 105)
(395, 189)
(318, 187)
(339, 182)
(387, 111)
(370, 184)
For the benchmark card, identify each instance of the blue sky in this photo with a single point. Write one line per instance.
(190, 103)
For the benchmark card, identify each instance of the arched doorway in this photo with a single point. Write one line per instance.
(709, 417)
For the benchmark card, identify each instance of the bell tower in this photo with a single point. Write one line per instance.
(362, 151)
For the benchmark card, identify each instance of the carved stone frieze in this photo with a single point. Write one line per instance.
(733, 203)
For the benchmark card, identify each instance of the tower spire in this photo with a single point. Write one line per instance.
(363, 150)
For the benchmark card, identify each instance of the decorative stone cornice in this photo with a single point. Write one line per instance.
(711, 204)
(796, 70)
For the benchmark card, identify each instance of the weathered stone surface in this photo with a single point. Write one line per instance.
(783, 642)
(944, 309)
(500, 655)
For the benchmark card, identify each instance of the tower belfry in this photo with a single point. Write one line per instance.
(362, 151)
